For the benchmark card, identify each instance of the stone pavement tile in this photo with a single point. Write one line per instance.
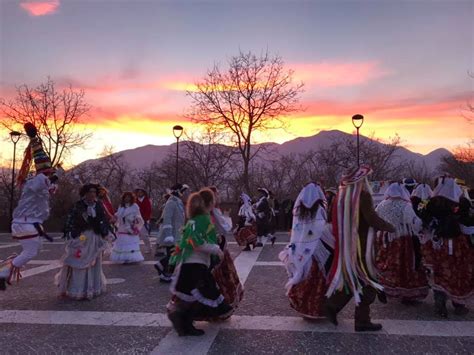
(265, 295)
(270, 253)
(280, 342)
(77, 339)
(141, 292)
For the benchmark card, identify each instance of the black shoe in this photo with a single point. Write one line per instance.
(368, 327)
(165, 279)
(441, 310)
(382, 297)
(3, 284)
(194, 332)
(331, 315)
(176, 318)
(460, 309)
(259, 244)
(247, 248)
(273, 240)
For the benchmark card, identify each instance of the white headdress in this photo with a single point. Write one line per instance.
(308, 196)
(423, 191)
(448, 188)
(397, 190)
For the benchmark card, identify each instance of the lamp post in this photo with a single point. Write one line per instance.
(15, 137)
(177, 131)
(358, 121)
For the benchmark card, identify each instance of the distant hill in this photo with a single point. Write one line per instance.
(142, 157)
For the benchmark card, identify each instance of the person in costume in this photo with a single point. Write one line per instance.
(171, 228)
(194, 289)
(409, 184)
(398, 255)
(224, 271)
(129, 223)
(144, 203)
(33, 207)
(81, 276)
(246, 233)
(160, 249)
(330, 198)
(103, 196)
(263, 213)
(353, 272)
(448, 252)
(420, 197)
(309, 255)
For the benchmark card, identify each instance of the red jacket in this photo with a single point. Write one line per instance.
(145, 208)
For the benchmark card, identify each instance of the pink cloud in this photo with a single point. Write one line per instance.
(332, 74)
(40, 8)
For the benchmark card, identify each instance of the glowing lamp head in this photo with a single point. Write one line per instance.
(357, 120)
(177, 131)
(15, 136)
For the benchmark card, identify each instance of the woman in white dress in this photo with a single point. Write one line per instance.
(126, 248)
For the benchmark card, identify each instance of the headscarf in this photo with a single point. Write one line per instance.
(246, 208)
(397, 190)
(308, 196)
(448, 188)
(308, 238)
(423, 192)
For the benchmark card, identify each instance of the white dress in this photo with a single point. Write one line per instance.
(127, 246)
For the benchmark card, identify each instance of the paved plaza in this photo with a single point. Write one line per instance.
(131, 317)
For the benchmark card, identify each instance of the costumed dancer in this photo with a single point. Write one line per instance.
(171, 228)
(81, 275)
(195, 292)
(263, 213)
(409, 184)
(246, 233)
(224, 271)
(353, 273)
(144, 202)
(398, 255)
(103, 196)
(308, 257)
(33, 207)
(420, 197)
(126, 248)
(448, 252)
(160, 250)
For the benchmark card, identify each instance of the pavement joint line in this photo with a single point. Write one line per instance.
(392, 327)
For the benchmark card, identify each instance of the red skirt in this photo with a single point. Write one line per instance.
(396, 263)
(309, 295)
(246, 235)
(452, 274)
(229, 285)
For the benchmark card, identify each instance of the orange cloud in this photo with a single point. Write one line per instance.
(40, 8)
(332, 74)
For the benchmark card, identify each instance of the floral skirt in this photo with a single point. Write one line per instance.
(308, 297)
(246, 235)
(81, 276)
(395, 261)
(451, 266)
(126, 249)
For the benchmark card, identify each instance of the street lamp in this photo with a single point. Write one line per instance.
(15, 137)
(177, 131)
(358, 121)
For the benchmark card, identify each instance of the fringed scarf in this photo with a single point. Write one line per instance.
(349, 272)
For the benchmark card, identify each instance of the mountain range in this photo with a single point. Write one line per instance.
(144, 156)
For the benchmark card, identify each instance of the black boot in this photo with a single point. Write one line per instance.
(247, 248)
(330, 314)
(460, 309)
(3, 284)
(273, 240)
(368, 327)
(382, 297)
(440, 304)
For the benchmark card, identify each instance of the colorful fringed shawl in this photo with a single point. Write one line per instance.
(197, 231)
(351, 270)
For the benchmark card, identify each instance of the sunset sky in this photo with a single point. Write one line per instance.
(403, 64)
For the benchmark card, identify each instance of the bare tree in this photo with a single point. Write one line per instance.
(55, 113)
(461, 163)
(252, 94)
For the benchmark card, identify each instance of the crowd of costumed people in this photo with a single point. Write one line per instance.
(342, 246)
